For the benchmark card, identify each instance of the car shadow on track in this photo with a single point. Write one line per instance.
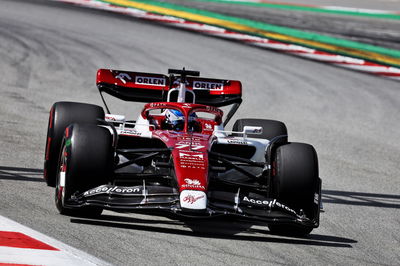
(217, 228)
(361, 199)
(21, 174)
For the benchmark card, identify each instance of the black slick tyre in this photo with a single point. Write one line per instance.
(62, 114)
(295, 182)
(85, 162)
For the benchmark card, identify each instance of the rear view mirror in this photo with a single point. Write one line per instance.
(252, 130)
(114, 118)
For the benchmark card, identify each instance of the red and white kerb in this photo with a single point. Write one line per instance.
(20, 245)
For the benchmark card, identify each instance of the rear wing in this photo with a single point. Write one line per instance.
(148, 87)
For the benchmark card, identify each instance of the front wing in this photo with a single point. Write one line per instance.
(242, 204)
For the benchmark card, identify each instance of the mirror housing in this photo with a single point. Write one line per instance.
(252, 130)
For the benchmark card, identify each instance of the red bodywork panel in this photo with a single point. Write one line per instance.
(190, 149)
(190, 157)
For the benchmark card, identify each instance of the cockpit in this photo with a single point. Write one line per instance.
(182, 117)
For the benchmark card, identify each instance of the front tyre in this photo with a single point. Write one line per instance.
(295, 182)
(85, 162)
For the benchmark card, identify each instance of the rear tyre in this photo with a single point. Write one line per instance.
(271, 128)
(62, 114)
(85, 162)
(295, 182)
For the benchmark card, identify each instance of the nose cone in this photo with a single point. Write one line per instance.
(190, 158)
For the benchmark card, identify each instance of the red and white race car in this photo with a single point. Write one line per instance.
(177, 156)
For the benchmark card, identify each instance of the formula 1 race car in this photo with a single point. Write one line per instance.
(177, 156)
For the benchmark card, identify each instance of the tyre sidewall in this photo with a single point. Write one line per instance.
(296, 177)
(62, 114)
(89, 153)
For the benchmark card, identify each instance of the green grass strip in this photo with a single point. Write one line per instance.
(363, 13)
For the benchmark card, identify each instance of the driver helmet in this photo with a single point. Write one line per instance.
(175, 120)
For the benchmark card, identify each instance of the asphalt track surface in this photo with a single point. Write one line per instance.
(50, 52)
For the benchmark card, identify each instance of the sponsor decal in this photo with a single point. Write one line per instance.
(189, 139)
(182, 145)
(123, 76)
(186, 105)
(237, 142)
(192, 183)
(211, 109)
(270, 203)
(192, 156)
(190, 159)
(131, 132)
(208, 126)
(197, 147)
(191, 199)
(105, 189)
(150, 81)
(257, 201)
(157, 104)
(193, 165)
(203, 85)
